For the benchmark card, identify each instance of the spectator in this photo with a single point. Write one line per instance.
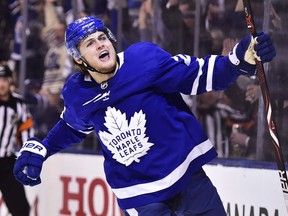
(145, 16)
(35, 45)
(58, 66)
(6, 30)
(241, 120)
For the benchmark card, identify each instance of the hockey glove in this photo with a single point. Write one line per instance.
(29, 163)
(249, 49)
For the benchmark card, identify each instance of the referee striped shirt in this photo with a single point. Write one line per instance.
(15, 124)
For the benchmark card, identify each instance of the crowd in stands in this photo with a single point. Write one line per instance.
(230, 117)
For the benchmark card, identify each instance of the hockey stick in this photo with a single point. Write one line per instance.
(268, 109)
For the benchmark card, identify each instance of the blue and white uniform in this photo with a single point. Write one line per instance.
(151, 144)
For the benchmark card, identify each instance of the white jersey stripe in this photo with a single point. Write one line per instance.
(210, 73)
(166, 182)
(2, 123)
(6, 129)
(196, 81)
(132, 212)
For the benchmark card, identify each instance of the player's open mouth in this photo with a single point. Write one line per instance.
(104, 56)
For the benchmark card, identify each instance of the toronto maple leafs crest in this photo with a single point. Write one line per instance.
(127, 142)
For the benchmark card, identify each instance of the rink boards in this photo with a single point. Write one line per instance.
(74, 184)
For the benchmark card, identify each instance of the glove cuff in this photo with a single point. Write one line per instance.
(34, 147)
(233, 57)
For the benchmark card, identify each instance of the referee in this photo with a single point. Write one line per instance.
(15, 125)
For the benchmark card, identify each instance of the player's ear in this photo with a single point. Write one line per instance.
(78, 60)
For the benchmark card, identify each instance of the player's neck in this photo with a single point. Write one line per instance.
(100, 78)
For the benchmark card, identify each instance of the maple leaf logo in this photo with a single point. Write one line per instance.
(127, 142)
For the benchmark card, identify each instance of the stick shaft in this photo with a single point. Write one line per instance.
(268, 108)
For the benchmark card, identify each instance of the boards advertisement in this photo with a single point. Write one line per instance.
(74, 184)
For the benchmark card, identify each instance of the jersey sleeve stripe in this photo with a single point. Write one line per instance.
(211, 64)
(196, 81)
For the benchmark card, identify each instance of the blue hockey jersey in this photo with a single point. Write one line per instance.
(152, 144)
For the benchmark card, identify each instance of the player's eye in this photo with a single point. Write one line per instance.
(90, 43)
(102, 37)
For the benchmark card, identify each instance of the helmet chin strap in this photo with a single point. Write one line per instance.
(91, 69)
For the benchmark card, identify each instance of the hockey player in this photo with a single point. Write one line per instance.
(154, 148)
